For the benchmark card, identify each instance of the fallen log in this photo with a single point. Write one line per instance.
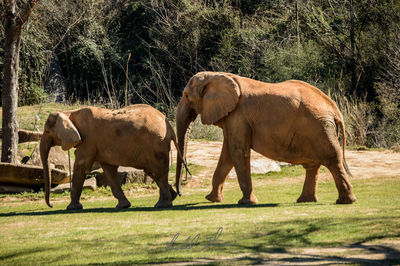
(29, 175)
(25, 135)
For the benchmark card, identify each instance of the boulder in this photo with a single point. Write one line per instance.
(133, 175)
(126, 175)
(260, 166)
(57, 157)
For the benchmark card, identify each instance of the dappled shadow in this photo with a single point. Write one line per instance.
(182, 207)
(353, 254)
(272, 243)
(283, 242)
(23, 253)
(279, 236)
(289, 242)
(368, 255)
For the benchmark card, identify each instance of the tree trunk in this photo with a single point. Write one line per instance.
(297, 22)
(12, 31)
(352, 45)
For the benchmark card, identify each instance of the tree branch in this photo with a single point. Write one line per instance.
(27, 11)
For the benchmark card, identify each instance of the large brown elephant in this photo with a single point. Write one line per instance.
(290, 121)
(138, 136)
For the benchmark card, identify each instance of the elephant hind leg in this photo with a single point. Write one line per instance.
(167, 193)
(111, 173)
(309, 193)
(345, 189)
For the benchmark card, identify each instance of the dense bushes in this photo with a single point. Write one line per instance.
(150, 49)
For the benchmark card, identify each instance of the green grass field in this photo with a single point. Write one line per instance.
(277, 229)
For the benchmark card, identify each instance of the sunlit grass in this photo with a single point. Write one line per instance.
(37, 234)
(290, 170)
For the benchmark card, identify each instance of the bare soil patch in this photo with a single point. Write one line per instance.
(362, 164)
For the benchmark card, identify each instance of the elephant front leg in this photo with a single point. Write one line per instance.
(81, 168)
(309, 193)
(83, 163)
(111, 173)
(78, 179)
(224, 166)
(239, 147)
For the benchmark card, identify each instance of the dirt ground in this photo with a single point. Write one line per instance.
(362, 164)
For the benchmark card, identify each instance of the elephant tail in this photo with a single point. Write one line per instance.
(339, 123)
(179, 154)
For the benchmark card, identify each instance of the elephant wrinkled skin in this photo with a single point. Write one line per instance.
(290, 121)
(138, 136)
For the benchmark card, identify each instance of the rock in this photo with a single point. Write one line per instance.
(395, 148)
(89, 183)
(133, 175)
(57, 157)
(10, 189)
(101, 180)
(260, 166)
(96, 165)
(126, 175)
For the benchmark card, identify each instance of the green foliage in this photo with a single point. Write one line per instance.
(33, 95)
(207, 132)
(168, 41)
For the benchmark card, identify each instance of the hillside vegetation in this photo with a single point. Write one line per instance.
(102, 49)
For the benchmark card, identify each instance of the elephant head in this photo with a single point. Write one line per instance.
(58, 130)
(213, 95)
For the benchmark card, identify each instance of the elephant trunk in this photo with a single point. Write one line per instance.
(45, 145)
(184, 116)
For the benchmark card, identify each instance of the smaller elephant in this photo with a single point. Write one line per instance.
(137, 136)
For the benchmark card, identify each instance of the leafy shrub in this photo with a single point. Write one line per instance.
(33, 94)
(358, 118)
(206, 132)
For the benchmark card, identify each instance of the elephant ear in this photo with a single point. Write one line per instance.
(220, 96)
(66, 132)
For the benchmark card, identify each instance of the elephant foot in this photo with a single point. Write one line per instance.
(74, 206)
(163, 204)
(307, 198)
(215, 197)
(251, 200)
(173, 193)
(123, 204)
(347, 199)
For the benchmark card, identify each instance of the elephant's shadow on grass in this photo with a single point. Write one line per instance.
(181, 207)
